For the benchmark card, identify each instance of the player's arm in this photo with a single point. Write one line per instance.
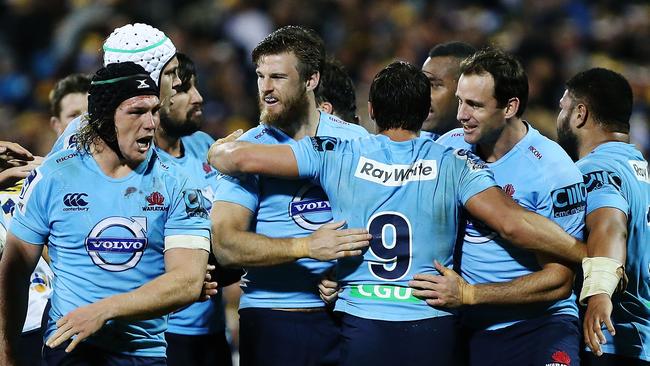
(240, 157)
(18, 262)
(178, 286)
(606, 247)
(553, 282)
(524, 228)
(234, 245)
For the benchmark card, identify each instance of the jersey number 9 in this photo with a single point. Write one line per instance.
(390, 244)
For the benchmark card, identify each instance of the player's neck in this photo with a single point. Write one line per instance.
(109, 162)
(308, 127)
(595, 137)
(170, 144)
(514, 130)
(399, 135)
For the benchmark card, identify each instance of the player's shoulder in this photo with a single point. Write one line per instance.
(260, 134)
(166, 170)
(61, 159)
(618, 158)
(460, 157)
(330, 124)
(542, 151)
(199, 138)
(68, 139)
(455, 139)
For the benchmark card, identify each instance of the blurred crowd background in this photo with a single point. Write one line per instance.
(44, 40)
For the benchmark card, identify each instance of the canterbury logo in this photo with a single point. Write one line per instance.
(143, 84)
(75, 200)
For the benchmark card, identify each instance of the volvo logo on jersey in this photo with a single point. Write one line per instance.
(310, 207)
(155, 202)
(116, 243)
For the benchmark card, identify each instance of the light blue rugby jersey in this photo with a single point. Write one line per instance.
(68, 139)
(541, 177)
(284, 208)
(616, 175)
(409, 196)
(106, 236)
(205, 317)
(429, 135)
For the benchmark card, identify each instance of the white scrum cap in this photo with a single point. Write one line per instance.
(142, 44)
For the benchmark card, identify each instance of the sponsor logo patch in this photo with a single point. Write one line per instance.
(209, 171)
(569, 200)
(195, 203)
(640, 169)
(560, 358)
(75, 202)
(595, 180)
(117, 244)
(64, 158)
(396, 175)
(310, 207)
(324, 143)
(472, 161)
(8, 207)
(70, 142)
(28, 187)
(535, 152)
(384, 293)
(155, 202)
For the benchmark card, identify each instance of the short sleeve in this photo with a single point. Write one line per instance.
(603, 188)
(475, 175)
(311, 154)
(188, 215)
(243, 190)
(30, 222)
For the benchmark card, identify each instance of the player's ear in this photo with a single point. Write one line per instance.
(581, 113)
(371, 112)
(55, 124)
(312, 81)
(512, 107)
(326, 107)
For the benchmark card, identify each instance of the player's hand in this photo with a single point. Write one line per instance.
(12, 154)
(80, 323)
(10, 176)
(212, 152)
(449, 290)
(329, 289)
(328, 243)
(599, 311)
(209, 288)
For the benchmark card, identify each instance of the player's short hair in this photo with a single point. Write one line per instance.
(110, 86)
(186, 70)
(401, 97)
(304, 43)
(510, 79)
(608, 96)
(459, 50)
(73, 83)
(336, 87)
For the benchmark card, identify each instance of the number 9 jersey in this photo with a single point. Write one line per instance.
(409, 195)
